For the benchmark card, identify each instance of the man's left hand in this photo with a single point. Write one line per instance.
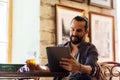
(70, 64)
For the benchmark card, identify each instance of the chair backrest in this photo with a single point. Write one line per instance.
(99, 75)
(107, 71)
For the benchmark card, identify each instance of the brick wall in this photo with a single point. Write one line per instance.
(47, 21)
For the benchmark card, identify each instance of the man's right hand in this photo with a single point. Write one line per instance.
(33, 67)
(36, 67)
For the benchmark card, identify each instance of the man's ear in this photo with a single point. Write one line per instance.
(86, 31)
(86, 35)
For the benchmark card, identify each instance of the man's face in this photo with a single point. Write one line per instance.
(77, 31)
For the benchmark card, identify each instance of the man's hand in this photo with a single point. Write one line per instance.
(73, 66)
(33, 67)
(70, 64)
(36, 67)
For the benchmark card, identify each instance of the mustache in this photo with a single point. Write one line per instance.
(74, 36)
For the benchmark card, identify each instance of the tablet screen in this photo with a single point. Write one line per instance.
(54, 55)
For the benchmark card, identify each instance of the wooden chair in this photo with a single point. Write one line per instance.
(107, 71)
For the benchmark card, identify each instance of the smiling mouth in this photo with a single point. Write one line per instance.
(74, 38)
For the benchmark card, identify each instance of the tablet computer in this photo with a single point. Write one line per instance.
(54, 55)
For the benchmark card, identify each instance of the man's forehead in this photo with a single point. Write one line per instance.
(74, 22)
(76, 27)
(78, 24)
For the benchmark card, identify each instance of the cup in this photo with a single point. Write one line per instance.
(31, 61)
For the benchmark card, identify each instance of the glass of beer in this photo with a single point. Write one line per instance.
(31, 61)
(32, 58)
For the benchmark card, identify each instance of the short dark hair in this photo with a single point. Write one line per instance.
(80, 18)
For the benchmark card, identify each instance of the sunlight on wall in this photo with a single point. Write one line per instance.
(118, 25)
(26, 28)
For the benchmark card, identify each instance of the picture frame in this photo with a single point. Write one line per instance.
(102, 35)
(64, 16)
(102, 3)
(81, 1)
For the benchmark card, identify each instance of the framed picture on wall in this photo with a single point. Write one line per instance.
(64, 15)
(102, 35)
(79, 1)
(102, 3)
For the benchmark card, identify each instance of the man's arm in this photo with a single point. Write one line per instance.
(45, 68)
(73, 66)
(85, 69)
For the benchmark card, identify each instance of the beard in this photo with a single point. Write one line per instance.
(78, 39)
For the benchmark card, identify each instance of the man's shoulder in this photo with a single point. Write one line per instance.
(65, 44)
(60, 45)
(89, 45)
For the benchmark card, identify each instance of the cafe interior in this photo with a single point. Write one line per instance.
(27, 27)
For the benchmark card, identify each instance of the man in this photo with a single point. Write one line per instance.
(85, 54)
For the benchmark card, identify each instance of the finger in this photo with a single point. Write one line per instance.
(66, 67)
(38, 67)
(72, 61)
(31, 66)
(65, 60)
(64, 63)
(72, 58)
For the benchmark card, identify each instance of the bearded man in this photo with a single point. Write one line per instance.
(85, 55)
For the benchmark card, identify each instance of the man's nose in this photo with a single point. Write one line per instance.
(74, 32)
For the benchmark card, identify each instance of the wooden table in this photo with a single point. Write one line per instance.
(12, 75)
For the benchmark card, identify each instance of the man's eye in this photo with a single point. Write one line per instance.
(79, 30)
(72, 29)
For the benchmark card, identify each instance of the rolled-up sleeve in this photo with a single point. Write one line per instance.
(92, 57)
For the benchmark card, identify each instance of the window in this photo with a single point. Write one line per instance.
(4, 30)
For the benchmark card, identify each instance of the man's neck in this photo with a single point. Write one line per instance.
(78, 43)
